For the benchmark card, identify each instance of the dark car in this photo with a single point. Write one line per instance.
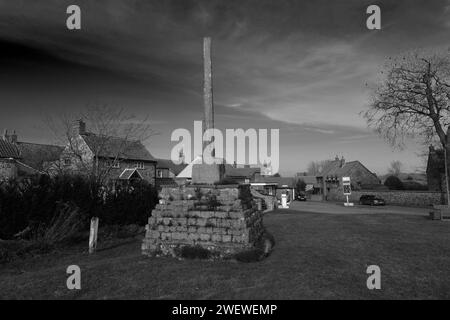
(301, 197)
(371, 200)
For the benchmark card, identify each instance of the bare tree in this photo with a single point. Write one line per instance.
(315, 167)
(111, 127)
(396, 168)
(413, 99)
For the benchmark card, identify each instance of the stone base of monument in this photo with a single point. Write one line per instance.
(223, 220)
(203, 173)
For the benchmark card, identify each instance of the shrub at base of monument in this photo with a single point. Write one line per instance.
(262, 249)
(207, 222)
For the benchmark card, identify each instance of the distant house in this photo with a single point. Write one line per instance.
(39, 156)
(244, 174)
(21, 159)
(119, 159)
(436, 169)
(331, 175)
(9, 154)
(275, 186)
(312, 187)
(167, 172)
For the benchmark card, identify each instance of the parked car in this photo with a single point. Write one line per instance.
(301, 197)
(371, 200)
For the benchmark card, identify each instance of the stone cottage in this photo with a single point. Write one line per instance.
(21, 159)
(118, 159)
(331, 175)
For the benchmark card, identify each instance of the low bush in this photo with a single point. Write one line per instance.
(262, 248)
(394, 183)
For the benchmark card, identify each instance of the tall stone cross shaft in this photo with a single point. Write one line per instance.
(208, 116)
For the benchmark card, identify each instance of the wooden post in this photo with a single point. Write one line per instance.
(93, 235)
(259, 204)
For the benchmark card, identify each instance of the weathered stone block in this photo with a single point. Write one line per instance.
(221, 214)
(205, 237)
(207, 173)
(201, 230)
(201, 222)
(178, 222)
(193, 236)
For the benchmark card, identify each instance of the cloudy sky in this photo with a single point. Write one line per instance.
(299, 66)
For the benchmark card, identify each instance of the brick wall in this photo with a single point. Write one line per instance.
(182, 219)
(404, 198)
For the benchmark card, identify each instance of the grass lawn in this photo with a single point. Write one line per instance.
(316, 256)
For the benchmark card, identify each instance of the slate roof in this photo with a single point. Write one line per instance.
(8, 150)
(110, 147)
(334, 169)
(168, 164)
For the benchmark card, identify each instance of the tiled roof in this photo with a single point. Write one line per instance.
(8, 150)
(168, 164)
(111, 147)
(34, 154)
(128, 173)
(334, 169)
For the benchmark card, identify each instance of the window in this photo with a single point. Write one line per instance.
(159, 173)
(67, 162)
(113, 164)
(140, 165)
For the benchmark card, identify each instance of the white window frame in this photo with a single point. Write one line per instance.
(115, 164)
(140, 165)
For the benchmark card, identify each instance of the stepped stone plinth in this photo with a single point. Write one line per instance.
(224, 220)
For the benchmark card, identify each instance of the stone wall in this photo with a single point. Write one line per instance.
(222, 219)
(394, 197)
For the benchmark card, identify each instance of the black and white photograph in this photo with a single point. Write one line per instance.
(220, 157)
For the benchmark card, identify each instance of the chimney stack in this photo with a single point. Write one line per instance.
(80, 127)
(13, 137)
(5, 135)
(342, 161)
